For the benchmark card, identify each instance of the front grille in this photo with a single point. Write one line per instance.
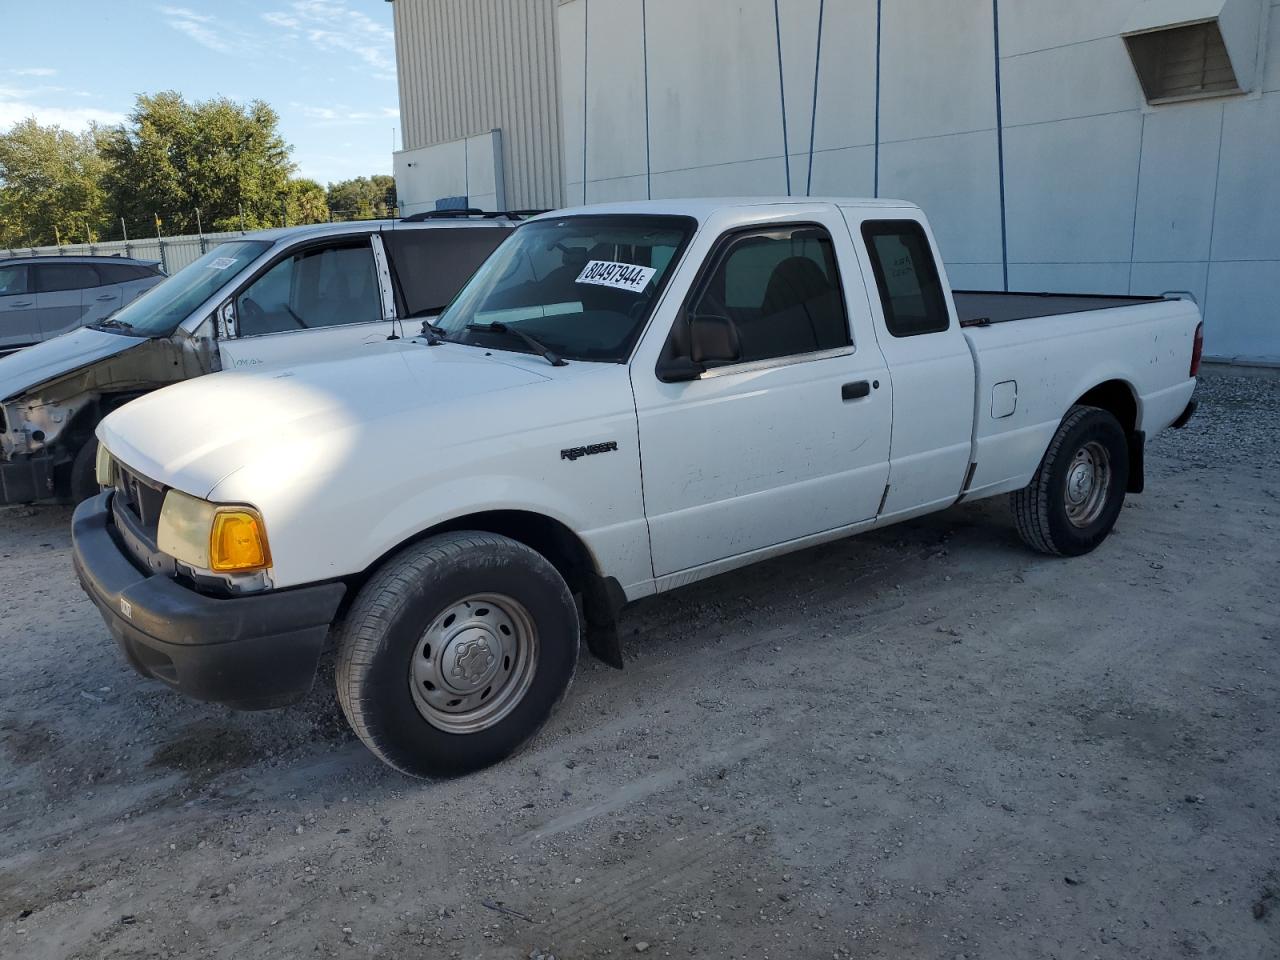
(141, 498)
(135, 507)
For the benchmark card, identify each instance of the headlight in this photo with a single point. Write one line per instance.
(104, 467)
(207, 536)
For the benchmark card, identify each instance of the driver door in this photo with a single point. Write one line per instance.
(317, 299)
(791, 439)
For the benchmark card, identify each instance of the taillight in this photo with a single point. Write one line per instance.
(1197, 348)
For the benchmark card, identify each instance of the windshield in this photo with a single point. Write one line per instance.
(158, 312)
(583, 286)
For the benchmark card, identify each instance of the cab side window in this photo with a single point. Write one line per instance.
(325, 286)
(781, 289)
(906, 277)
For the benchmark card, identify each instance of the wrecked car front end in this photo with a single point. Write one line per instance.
(44, 425)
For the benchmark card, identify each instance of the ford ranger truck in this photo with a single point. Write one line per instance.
(276, 296)
(624, 399)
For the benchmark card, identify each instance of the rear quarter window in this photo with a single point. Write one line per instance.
(906, 277)
(123, 272)
(431, 266)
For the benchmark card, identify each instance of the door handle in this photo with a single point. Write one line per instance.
(855, 391)
(21, 303)
(106, 296)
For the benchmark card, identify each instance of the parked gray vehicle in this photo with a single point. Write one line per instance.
(264, 299)
(43, 297)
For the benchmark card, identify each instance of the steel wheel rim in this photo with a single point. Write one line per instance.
(474, 663)
(1088, 484)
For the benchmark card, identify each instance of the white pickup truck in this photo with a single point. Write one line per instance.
(624, 399)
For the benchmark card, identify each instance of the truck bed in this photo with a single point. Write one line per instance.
(980, 307)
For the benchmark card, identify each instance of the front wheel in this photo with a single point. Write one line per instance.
(456, 652)
(1076, 494)
(82, 480)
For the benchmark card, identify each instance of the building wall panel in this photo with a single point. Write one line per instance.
(1071, 187)
(470, 66)
(1247, 214)
(616, 106)
(713, 85)
(937, 69)
(1177, 183)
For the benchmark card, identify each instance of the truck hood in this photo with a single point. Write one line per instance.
(194, 434)
(28, 368)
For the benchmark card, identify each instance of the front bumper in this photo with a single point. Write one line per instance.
(24, 481)
(252, 652)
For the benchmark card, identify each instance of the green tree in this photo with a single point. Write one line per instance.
(361, 198)
(173, 157)
(306, 202)
(50, 186)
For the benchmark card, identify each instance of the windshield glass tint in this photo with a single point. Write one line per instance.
(583, 286)
(158, 312)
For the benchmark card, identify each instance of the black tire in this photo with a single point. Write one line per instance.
(380, 636)
(1042, 510)
(82, 479)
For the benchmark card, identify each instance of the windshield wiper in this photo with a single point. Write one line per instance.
(542, 349)
(434, 334)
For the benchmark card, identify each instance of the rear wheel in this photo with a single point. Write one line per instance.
(456, 652)
(1077, 492)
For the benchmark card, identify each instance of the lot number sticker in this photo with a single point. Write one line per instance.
(221, 263)
(620, 276)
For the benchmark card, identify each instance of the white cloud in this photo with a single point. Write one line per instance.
(199, 27)
(71, 118)
(340, 113)
(282, 20)
(33, 71)
(332, 25)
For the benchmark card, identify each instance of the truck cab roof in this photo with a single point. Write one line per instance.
(703, 209)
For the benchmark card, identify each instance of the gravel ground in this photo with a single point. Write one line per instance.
(923, 742)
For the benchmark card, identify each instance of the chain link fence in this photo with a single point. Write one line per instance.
(173, 253)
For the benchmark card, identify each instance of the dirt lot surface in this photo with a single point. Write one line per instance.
(923, 742)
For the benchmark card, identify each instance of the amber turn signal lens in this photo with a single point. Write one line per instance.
(238, 542)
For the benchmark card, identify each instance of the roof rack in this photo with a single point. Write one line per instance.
(464, 212)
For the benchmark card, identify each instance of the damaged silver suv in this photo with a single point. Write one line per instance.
(267, 298)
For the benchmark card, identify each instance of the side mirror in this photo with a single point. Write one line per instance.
(713, 339)
(679, 370)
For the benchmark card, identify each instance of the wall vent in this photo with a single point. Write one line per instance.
(1182, 62)
(1183, 49)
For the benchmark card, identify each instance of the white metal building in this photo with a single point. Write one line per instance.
(1072, 145)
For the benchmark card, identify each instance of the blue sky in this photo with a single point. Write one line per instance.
(326, 66)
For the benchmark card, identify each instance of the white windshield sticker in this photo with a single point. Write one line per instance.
(621, 276)
(221, 263)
